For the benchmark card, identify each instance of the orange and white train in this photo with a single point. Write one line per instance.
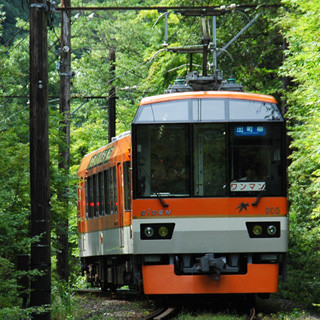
(191, 201)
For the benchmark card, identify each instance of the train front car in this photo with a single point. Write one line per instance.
(209, 193)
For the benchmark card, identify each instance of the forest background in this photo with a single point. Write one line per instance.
(258, 62)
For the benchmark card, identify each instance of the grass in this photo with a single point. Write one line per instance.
(210, 317)
(295, 314)
(80, 307)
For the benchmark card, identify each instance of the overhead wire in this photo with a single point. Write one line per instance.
(15, 35)
(107, 99)
(56, 55)
(203, 8)
(18, 44)
(109, 81)
(16, 113)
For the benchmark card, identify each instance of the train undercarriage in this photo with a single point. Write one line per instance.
(186, 273)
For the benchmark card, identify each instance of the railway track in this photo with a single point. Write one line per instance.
(169, 312)
(252, 314)
(162, 313)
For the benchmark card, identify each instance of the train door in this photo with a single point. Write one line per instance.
(120, 201)
(82, 204)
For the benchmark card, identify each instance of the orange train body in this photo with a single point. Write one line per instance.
(214, 232)
(258, 279)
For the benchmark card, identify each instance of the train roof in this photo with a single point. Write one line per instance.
(208, 94)
(120, 146)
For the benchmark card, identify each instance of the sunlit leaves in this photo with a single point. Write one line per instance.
(300, 24)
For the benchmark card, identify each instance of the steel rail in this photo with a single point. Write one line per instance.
(161, 314)
(252, 314)
(167, 314)
(155, 313)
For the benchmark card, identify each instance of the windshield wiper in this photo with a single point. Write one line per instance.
(259, 195)
(164, 204)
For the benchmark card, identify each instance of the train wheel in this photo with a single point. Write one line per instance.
(246, 303)
(108, 287)
(160, 300)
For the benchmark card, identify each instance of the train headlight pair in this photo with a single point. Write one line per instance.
(271, 230)
(162, 232)
(156, 231)
(263, 229)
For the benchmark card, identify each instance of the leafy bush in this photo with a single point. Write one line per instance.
(300, 25)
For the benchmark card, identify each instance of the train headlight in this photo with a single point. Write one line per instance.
(272, 230)
(264, 229)
(149, 232)
(257, 230)
(163, 231)
(156, 231)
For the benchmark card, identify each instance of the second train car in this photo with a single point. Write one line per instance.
(192, 201)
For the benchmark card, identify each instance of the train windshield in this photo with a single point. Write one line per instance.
(240, 157)
(209, 160)
(256, 159)
(163, 160)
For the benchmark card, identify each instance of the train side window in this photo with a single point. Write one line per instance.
(87, 192)
(101, 193)
(95, 195)
(115, 190)
(106, 192)
(110, 192)
(127, 193)
(91, 197)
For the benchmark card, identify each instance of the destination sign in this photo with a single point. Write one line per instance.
(250, 131)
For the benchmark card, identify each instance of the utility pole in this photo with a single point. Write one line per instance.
(205, 41)
(39, 159)
(112, 95)
(286, 81)
(64, 147)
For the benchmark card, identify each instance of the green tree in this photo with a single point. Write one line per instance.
(300, 23)
(14, 179)
(144, 67)
(12, 10)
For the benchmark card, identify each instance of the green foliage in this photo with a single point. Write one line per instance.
(301, 29)
(8, 286)
(12, 10)
(294, 314)
(144, 68)
(62, 301)
(16, 313)
(14, 179)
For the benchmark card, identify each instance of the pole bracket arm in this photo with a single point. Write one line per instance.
(48, 6)
(39, 6)
(70, 74)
